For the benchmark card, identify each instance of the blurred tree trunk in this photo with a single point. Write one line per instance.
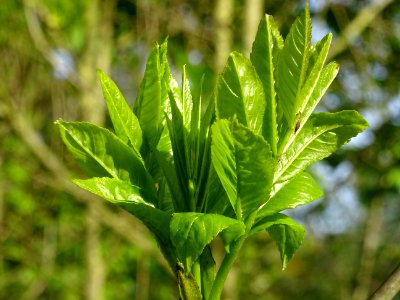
(223, 16)
(254, 10)
(98, 54)
(95, 263)
(371, 242)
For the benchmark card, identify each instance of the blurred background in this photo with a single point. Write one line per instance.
(58, 242)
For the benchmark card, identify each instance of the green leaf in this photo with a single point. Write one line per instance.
(255, 168)
(102, 154)
(192, 232)
(287, 234)
(239, 92)
(113, 190)
(292, 65)
(244, 164)
(301, 190)
(322, 135)
(151, 102)
(266, 47)
(165, 159)
(223, 159)
(126, 124)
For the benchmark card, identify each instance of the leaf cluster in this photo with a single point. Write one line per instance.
(229, 170)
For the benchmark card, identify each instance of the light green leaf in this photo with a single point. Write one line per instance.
(126, 124)
(129, 197)
(287, 234)
(301, 190)
(292, 65)
(192, 232)
(322, 135)
(266, 48)
(113, 190)
(151, 102)
(239, 92)
(102, 154)
(316, 84)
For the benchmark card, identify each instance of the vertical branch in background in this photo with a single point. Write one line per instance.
(223, 32)
(371, 242)
(95, 263)
(99, 23)
(253, 12)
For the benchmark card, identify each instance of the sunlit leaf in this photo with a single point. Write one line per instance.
(239, 92)
(287, 234)
(126, 124)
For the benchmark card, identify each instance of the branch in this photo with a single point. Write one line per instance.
(390, 287)
(357, 26)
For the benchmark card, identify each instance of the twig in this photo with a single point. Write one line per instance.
(389, 288)
(357, 25)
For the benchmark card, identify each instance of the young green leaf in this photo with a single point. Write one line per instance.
(126, 124)
(151, 102)
(192, 232)
(239, 92)
(322, 135)
(266, 47)
(301, 190)
(102, 154)
(287, 234)
(292, 65)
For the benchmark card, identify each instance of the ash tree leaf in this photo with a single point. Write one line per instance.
(152, 100)
(191, 232)
(292, 65)
(102, 154)
(126, 124)
(239, 92)
(287, 234)
(300, 190)
(322, 135)
(265, 52)
(244, 164)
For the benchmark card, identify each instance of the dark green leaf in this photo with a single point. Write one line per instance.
(287, 234)
(192, 232)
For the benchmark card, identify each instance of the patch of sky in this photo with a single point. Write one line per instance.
(63, 63)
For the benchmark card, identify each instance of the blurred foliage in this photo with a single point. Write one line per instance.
(44, 232)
